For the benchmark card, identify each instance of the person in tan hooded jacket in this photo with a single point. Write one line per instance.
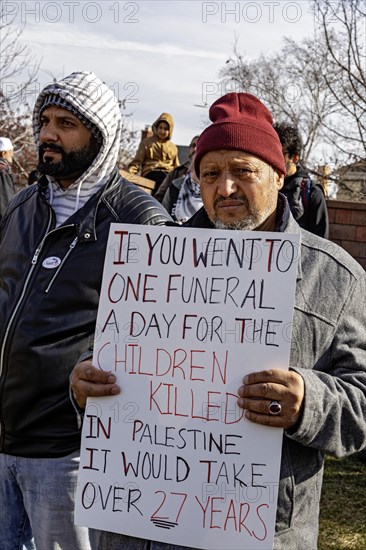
(156, 155)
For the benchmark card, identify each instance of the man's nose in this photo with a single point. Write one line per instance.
(227, 185)
(48, 133)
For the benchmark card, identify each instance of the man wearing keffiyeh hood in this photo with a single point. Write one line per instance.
(52, 246)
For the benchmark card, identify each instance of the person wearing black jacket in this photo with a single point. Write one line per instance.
(53, 239)
(305, 197)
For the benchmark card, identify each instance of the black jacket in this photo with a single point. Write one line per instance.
(48, 315)
(6, 186)
(174, 174)
(308, 209)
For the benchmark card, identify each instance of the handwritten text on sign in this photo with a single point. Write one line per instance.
(184, 314)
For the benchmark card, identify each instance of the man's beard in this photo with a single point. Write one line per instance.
(72, 164)
(238, 225)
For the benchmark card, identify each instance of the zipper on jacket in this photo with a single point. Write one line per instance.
(17, 306)
(20, 300)
(24, 290)
(72, 246)
(36, 254)
(25, 287)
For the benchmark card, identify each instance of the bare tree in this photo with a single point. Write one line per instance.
(19, 88)
(318, 84)
(290, 83)
(128, 135)
(18, 80)
(128, 141)
(342, 24)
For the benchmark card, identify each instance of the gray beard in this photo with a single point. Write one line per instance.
(238, 225)
(253, 220)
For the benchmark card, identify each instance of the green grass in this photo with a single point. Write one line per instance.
(343, 505)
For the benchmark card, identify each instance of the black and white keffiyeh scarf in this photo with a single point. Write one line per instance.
(189, 200)
(97, 103)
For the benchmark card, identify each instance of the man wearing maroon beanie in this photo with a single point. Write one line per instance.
(322, 397)
(320, 402)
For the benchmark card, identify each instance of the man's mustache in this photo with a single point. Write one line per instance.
(233, 197)
(50, 147)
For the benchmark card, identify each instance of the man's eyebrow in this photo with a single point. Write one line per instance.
(67, 117)
(209, 165)
(70, 117)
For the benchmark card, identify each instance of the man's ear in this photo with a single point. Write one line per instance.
(279, 180)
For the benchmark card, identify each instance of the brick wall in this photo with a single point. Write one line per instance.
(347, 227)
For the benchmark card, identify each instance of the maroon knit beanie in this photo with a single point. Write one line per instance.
(241, 122)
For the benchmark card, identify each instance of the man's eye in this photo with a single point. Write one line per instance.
(210, 174)
(243, 171)
(246, 173)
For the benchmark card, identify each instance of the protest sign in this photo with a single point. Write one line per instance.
(184, 314)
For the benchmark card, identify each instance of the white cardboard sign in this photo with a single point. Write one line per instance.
(184, 314)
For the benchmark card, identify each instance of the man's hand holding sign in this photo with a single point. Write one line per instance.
(261, 389)
(88, 381)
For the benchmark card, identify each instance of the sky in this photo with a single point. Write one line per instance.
(158, 56)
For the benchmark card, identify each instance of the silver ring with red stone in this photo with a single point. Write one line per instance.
(274, 408)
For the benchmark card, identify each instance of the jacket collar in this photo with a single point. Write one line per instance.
(84, 219)
(286, 224)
